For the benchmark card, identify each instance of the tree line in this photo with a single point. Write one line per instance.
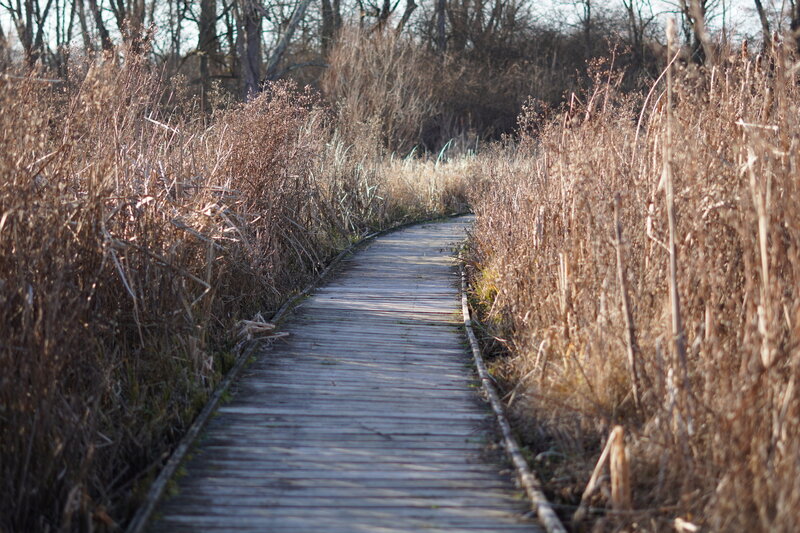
(244, 43)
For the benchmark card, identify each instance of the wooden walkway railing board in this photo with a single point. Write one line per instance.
(367, 418)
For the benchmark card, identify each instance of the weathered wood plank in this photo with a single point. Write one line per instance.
(363, 440)
(374, 487)
(390, 453)
(355, 497)
(336, 528)
(300, 525)
(367, 417)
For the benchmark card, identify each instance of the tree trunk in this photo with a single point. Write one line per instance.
(411, 5)
(795, 23)
(328, 24)
(459, 27)
(207, 43)
(441, 37)
(3, 47)
(636, 30)
(41, 21)
(87, 40)
(386, 12)
(765, 31)
(130, 21)
(587, 28)
(337, 17)
(699, 12)
(134, 24)
(248, 44)
(230, 33)
(283, 43)
(24, 27)
(695, 13)
(105, 40)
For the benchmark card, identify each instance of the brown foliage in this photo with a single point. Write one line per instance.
(715, 439)
(131, 241)
(382, 85)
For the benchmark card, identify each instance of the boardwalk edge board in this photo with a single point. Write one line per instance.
(528, 480)
(143, 514)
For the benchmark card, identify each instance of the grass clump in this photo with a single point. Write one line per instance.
(135, 231)
(712, 423)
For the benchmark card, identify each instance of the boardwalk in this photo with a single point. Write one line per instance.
(366, 418)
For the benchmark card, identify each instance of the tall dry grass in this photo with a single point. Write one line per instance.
(710, 404)
(382, 89)
(134, 233)
(382, 86)
(393, 87)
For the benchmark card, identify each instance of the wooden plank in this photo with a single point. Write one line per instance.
(388, 497)
(344, 406)
(245, 502)
(349, 453)
(330, 528)
(400, 421)
(409, 341)
(297, 525)
(420, 517)
(345, 466)
(322, 386)
(356, 441)
(335, 416)
(367, 417)
(408, 515)
(406, 380)
(459, 485)
(353, 439)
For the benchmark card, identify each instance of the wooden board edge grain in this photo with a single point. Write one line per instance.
(528, 480)
(144, 512)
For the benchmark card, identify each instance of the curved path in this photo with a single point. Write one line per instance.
(366, 418)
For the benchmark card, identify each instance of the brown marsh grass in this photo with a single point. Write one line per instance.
(382, 86)
(134, 233)
(710, 405)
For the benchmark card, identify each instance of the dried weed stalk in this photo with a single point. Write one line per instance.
(699, 326)
(135, 234)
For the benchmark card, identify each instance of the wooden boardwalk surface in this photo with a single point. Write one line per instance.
(366, 418)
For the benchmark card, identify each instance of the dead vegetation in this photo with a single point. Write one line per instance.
(135, 234)
(635, 255)
(638, 257)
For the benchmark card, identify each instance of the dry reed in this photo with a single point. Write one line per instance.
(135, 232)
(647, 250)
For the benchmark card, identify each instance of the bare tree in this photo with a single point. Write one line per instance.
(3, 47)
(249, 25)
(79, 9)
(229, 35)
(207, 41)
(411, 6)
(640, 16)
(794, 21)
(178, 11)
(331, 22)
(586, 23)
(765, 30)
(130, 17)
(285, 39)
(481, 24)
(694, 16)
(381, 10)
(30, 19)
(441, 15)
(105, 39)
